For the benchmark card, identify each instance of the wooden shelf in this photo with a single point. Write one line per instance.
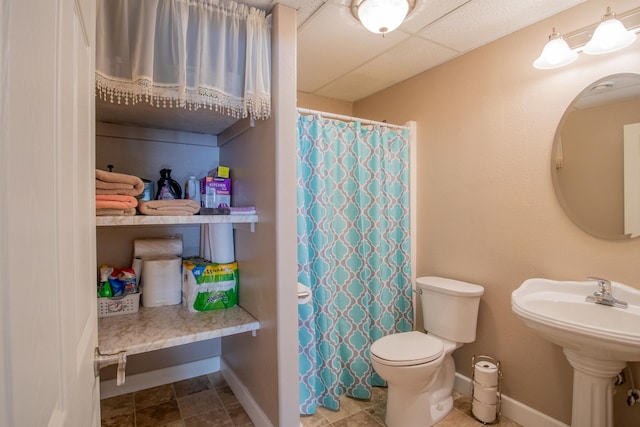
(155, 328)
(134, 220)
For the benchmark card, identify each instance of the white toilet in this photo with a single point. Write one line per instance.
(417, 366)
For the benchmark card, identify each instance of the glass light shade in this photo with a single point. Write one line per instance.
(382, 16)
(610, 36)
(556, 53)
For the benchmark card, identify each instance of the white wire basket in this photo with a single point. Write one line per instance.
(118, 305)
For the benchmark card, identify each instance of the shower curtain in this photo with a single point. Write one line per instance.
(353, 253)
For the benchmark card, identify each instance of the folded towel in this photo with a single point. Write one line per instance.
(118, 183)
(115, 201)
(178, 207)
(243, 210)
(116, 212)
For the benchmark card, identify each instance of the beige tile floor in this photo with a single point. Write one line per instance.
(208, 401)
(361, 413)
(205, 401)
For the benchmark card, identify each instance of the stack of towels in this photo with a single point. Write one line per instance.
(116, 196)
(116, 193)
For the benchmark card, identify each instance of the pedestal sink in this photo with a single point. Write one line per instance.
(598, 340)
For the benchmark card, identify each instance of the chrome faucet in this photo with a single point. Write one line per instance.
(603, 294)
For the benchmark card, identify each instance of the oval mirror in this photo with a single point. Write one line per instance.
(595, 161)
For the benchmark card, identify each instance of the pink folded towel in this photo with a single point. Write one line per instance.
(115, 212)
(118, 183)
(115, 201)
(178, 207)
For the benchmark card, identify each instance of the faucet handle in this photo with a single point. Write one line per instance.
(604, 284)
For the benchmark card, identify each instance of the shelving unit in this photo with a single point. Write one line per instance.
(169, 326)
(135, 220)
(155, 328)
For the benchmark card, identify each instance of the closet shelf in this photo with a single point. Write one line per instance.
(155, 328)
(118, 221)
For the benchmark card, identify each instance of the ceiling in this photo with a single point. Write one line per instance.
(338, 58)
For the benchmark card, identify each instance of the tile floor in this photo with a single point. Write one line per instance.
(205, 401)
(361, 413)
(208, 401)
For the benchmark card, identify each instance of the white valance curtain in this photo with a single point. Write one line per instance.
(187, 53)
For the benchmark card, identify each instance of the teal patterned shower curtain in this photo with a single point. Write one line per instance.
(353, 253)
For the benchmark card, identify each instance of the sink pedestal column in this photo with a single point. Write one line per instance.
(592, 390)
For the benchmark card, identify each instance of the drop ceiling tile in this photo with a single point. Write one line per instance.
(305, 8)
(333, 43)
(350, 87)
(406, 60)
(481, 21)
(427, 12)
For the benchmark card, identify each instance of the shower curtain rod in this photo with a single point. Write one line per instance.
(308, 111)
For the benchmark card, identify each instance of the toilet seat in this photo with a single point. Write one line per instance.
(407, 348)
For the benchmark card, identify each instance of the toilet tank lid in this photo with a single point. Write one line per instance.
(449, 286)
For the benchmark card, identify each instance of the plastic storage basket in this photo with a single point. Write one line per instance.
(118, 305)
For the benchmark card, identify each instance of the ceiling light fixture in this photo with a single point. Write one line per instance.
(609, 35)
(382, 16)
(556, 53)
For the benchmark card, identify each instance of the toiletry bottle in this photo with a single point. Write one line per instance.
(192, 191)
(168, 188)
(104, 288)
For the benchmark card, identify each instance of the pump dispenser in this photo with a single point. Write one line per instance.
(168, 188)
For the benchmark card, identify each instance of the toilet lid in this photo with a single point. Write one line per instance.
(407, 348)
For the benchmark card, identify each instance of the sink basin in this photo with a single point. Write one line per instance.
(598, 340)
(557, 310)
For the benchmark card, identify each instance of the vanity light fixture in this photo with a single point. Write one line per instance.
(382, 16)
(556, 53)
(609, 35)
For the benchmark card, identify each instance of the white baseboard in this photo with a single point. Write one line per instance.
(245, 398)
(159, 377)
(512, 409)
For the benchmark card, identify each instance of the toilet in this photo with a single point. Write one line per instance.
(418, 366)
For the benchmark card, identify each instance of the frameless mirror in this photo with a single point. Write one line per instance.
(595, 161)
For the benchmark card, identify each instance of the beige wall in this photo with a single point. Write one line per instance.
(321, 103)
(487, 212)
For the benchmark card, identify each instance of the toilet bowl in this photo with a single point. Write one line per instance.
(418, 367)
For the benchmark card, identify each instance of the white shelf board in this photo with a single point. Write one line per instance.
(119, 221)
(155, 328)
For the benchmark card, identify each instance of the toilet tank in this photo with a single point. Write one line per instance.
(450, 307)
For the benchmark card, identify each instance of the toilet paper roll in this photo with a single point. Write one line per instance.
(151, 248)
(161, 281)
(486, 373)
(304, 294)
(136, 266)
(485, 394)
(483, 412)
(216, 243)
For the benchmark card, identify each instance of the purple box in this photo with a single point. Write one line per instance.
(215, 192)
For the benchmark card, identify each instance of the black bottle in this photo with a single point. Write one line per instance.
(168, 188)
